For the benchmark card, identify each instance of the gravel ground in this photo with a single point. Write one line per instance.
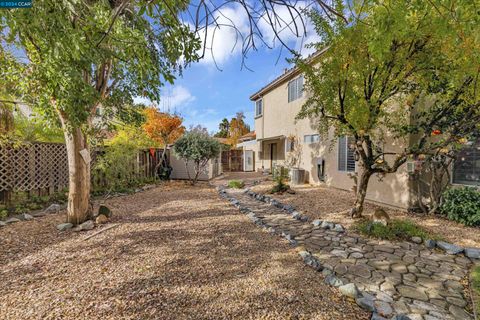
(179, 252)
(318, 202)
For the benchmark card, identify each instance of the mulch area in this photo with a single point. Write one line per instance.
(319, 202)
(179, 252)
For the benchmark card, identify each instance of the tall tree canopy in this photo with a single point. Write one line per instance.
(73, 56)
(223, 129)
(163, 128)
(237, 128)
(396, 70)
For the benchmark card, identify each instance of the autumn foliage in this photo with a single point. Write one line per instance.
(163, 128)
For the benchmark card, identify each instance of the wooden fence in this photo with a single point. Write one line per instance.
(232, 160)
(42, 168)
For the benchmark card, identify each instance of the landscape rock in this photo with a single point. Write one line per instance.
(27, 217)
(338, 228)
(430, 244)
(101, 219)
(350, 290)
(383, 308)
(53, 208)
(3, 223)
(376, 316)
(449, 248)
(333, 281)
(296, 215)
(417, 240)
(327, 225)
(87, 225)
(12, 220)
(366, 303)
(317, 222)
(473, 253)
(64, 226)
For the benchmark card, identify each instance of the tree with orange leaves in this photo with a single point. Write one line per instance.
(237, 128)
(163, 128)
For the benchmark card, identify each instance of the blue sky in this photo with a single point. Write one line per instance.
(205, 95)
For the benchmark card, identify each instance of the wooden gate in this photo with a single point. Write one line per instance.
(232, 160)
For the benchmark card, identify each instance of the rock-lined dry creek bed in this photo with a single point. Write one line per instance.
(400, 280)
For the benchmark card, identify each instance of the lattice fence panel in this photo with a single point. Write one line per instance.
(33, 167)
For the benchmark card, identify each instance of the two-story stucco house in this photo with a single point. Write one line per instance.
(326, 162)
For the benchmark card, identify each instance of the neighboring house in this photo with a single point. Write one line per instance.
(276, 106)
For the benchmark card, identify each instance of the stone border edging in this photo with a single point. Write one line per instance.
(449, 248)
(364, 299)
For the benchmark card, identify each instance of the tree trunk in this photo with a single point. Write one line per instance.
(78, 209)
(362, 185)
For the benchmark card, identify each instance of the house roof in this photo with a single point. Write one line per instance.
(286, 76)
(222, 140)
(248, 136)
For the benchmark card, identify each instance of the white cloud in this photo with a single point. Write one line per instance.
(142, 100)
(222, 40)
(176, 98)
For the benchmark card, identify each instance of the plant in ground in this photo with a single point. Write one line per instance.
(236, 184)
(475, 276)
(394, 230)
(462, 205)
(280, 177)
(196, 147)
(82, 56)
(237, 128)
(163, 128)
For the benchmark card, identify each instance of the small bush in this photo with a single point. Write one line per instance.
(462, 205)
(395, 230)
(280, 175)
(476, 285)
(236, 184)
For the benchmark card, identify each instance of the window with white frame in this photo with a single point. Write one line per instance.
(346, 154)
(295, 89)
(311, 138)
(466, 167)
(259, 107)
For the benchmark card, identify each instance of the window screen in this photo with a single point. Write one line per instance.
(259, 107)
(346, 154)
(466, 168)
(295, 89)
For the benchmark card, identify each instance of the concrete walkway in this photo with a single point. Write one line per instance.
(401, 277)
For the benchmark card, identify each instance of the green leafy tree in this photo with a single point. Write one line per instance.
(82, 55)
(398, 69)
(116, 169)
(197, 148)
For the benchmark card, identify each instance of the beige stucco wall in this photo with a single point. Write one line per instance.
(279, 120)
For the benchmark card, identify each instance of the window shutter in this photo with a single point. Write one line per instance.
(342, 156)
(350, 155)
